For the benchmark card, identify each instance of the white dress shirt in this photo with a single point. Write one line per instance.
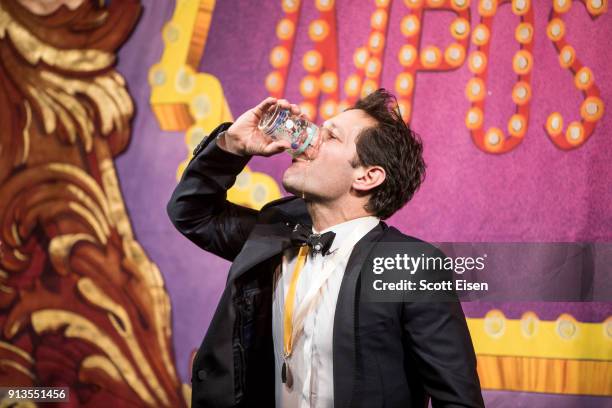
(311, 362)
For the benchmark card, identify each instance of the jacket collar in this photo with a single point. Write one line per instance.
(271, 235)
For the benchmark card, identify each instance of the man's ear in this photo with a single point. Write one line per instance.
(369, 178)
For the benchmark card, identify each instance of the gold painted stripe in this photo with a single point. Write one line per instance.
(26, 132)
(91, 220)
(557, 376)
(102, 363)
(18, 367)
(14, 349)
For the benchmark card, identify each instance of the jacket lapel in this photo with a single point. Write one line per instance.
(266, 240)
(344, 353)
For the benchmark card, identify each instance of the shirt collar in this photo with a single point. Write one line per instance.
(344, 229)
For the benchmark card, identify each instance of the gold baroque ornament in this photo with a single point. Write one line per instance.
(81, 303)
(66, 102)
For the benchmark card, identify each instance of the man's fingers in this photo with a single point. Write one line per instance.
(260, 109)
(263, 106)
(295, 109)
(280, 144)
(283, 103)
(276, 147)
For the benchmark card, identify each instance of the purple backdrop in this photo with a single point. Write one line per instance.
(534, 193)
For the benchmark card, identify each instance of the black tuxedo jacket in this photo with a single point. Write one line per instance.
(384, 354)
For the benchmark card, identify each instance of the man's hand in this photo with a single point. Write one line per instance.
(243, 138)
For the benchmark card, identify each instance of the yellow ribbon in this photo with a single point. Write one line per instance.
(290, 300)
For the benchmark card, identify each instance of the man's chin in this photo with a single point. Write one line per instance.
(290, 186)
(293, 181)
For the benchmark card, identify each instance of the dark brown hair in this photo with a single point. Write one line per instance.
(392, 145)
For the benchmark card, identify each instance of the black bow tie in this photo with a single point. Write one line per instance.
(302, 235)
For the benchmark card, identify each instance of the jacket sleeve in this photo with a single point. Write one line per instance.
(438, 340)
(199, 208)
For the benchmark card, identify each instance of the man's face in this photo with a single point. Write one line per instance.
(330, 174)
